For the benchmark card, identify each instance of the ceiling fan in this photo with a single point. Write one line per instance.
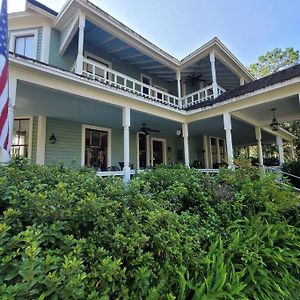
(146, 130)
(193, 78)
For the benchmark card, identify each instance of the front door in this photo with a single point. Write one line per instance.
(157, 152)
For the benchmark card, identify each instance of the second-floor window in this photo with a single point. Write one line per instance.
(24, 42)
(24, 45)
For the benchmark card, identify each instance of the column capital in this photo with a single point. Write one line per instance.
(227, 121)
(81, 20)
(185, 131)
(126, 117)
(258, 133)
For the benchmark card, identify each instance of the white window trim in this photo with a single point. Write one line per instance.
(29, 133)
(138, 150)
(98, 58)
(146, 76)
(218, 149)
(21, 33)
(108, 130)
(164, 142)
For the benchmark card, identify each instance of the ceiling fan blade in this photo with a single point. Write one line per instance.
(153, 130)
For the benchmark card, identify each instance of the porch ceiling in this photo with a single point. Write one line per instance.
(242, 133)
(35, 100)
(114, 47)
(225, 78)
(287, 109)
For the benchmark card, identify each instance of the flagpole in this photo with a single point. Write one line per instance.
(6, 107)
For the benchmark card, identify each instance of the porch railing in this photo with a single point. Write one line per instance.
(202, 95)
(100, 73)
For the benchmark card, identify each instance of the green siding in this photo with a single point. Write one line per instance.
(34, 139)
(117, 146)
(39, 39)
(67, 149)
(65, 61)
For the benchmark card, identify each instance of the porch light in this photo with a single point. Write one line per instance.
(274, 124)
(52, 139)
(178, 132)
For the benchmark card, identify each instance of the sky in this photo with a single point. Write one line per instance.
(248, 28)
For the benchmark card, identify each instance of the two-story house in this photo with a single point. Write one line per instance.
(88, 90)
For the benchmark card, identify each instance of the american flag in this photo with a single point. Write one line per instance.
(4, 131)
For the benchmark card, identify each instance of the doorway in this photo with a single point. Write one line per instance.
(158, 151)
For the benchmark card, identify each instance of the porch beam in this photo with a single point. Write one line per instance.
(79, 63)
(41, 140)
(279, 143)
(146, 61)
(119, 49)
(12, 92)
(132, 56)
(185, 135)
(227, 128)
(259, 146)
(126, 125)
(152, 67)
(212, 59)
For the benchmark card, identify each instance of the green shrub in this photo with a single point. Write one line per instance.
(293, 168)
(172, 233)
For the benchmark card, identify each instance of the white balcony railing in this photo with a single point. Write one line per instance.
(202, 95)
(100, 73)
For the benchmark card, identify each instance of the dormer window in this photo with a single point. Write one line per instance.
(24, 43)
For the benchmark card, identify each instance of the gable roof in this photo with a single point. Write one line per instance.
(42, 7)
(278, 77)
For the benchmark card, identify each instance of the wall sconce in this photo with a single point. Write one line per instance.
(169, 149)
(52, 139)
(179, 132)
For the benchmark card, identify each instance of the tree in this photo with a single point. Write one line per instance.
(272, 62)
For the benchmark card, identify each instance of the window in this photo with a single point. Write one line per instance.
(142, 144)
(96, 147)
(20, 139)
(147, 80)
(24, 43)
(99, 61)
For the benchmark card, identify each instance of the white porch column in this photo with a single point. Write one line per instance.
(259, 146)
(178, 77)
(279, 143)
(227, 128)
(212, 58)
(242, 81)
(292, 150)
(79, 63)
(185, 135)
(41, 140)
(126, 125)
(12, 92)
(205, 148)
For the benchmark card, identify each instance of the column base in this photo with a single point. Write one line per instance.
(126, 171)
